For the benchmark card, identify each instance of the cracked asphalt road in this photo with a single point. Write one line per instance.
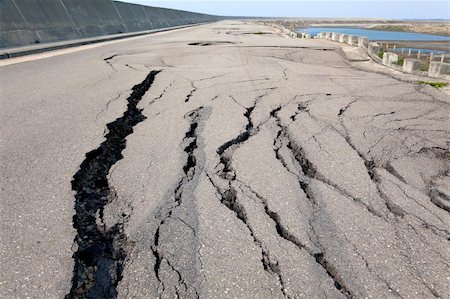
(237, 165)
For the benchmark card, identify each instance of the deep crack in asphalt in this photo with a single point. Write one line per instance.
(101, 253)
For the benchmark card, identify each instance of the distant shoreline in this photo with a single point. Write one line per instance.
(392, 28)
(429, 45)
(424, 27)
(434, 27)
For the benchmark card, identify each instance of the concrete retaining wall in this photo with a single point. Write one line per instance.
(25, 22)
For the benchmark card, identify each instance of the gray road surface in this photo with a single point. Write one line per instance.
(213, 162)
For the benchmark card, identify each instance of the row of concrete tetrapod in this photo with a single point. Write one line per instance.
(410, 65)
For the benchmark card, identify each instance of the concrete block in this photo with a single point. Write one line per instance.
(439, 70)
(327, 35)
(343, 38)
(374, 48)
(411, 65)
(363, 42)
(354, 41)
(350, 39)
(390, 58)
(335, 36)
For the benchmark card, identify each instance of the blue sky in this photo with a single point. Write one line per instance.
(411, 9)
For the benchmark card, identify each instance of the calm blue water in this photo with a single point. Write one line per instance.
(375, 35)
(415, 50)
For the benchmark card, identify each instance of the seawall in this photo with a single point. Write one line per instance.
(27, 22)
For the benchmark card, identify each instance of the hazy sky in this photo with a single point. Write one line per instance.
(411, 9)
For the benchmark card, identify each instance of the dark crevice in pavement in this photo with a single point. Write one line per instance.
(391, 169)
(310, 171)
(343, 109)
(161, 94)
(282, 231)
(370, 167)
(108, 61)
(181, 282)
(437, 231)
(271, 266)
(307, 171)
(332, 272)
(229, 199)
(368, 163)
(393, 208)
(210, 43)
(300, 107)
(229, 196)
(300, 155)
(440, 199)
(225, 151)
(189, 170)
(101, 253)
(191, 93)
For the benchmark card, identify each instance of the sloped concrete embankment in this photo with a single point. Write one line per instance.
(26, 22)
